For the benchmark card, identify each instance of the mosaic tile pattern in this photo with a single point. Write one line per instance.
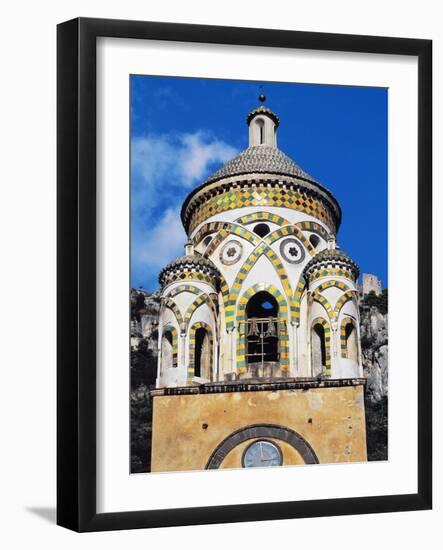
(313, 228)
(262, 217)
(262, 195)
(173, 331)
(348, 295)
(283, 318)
(327, 329)
(330, 272)
(343, 343)
(194, 276)
(192, 331)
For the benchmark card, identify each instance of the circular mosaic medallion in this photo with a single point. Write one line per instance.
(231, 252)
(292, 251)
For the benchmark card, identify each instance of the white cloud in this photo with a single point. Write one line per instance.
(164, 170)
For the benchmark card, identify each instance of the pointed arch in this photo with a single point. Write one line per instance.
(328, 284)
(192, 349)
(201, 299)
(319, 298)
(283, 319)
(184, 288)
(327, 343)
(168, 303)
(262, 249)
(348, 295)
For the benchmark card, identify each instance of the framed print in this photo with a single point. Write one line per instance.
(244, 274)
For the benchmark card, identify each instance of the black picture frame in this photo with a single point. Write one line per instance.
(76, 294)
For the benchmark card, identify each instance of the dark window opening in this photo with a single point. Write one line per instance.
(318, 344)
(202, 358)
(314, 240)
(262, 329)
(207, 240)
(262, 229)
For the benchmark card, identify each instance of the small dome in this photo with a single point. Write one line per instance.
(188, 263)
(331, 257)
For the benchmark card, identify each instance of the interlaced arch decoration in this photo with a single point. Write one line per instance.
(313, 228)
(201, 299)
(173, 331)
(327, 328)
(289, 230)
(328, 284)
(168, 303)
(192, 331)
(343, 343)
(184, 288)
(283, 319)
(255, 431)
(262, 249)
(262, 217)
(348, 295)
(322, 300)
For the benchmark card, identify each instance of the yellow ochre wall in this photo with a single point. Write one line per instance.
(330, 419)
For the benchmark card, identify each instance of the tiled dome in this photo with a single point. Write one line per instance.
(192, 263)
(331, 257)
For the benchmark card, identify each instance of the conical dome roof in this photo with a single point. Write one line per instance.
(194, 263)
(331, 257)
(260, 159)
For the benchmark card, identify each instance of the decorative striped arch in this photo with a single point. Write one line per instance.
(168, 303)
(283, 318)
(301, 285)
(343, 343)
(262, 217)
(184, 288)
(327, 329)
(173, 331)
(289, 230)
(348, 295)
(201, 299)
(223, 229)
(328, 284)
(313, 228)
(192, 331)
(262, 249)
(322, 300)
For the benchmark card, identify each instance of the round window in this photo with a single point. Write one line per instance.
(231, 252)
(292, 251)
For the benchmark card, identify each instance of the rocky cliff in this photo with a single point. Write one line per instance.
(374, 343)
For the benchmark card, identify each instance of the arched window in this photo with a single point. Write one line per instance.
(202, 356)
(351, 342)
(262, 331)
(207, 240)
(318, 349)
(261, 131)
(167, 350)
(262, 229)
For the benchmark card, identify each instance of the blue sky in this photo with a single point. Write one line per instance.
(183, 129)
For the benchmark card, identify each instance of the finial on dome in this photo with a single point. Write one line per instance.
(261, 97)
